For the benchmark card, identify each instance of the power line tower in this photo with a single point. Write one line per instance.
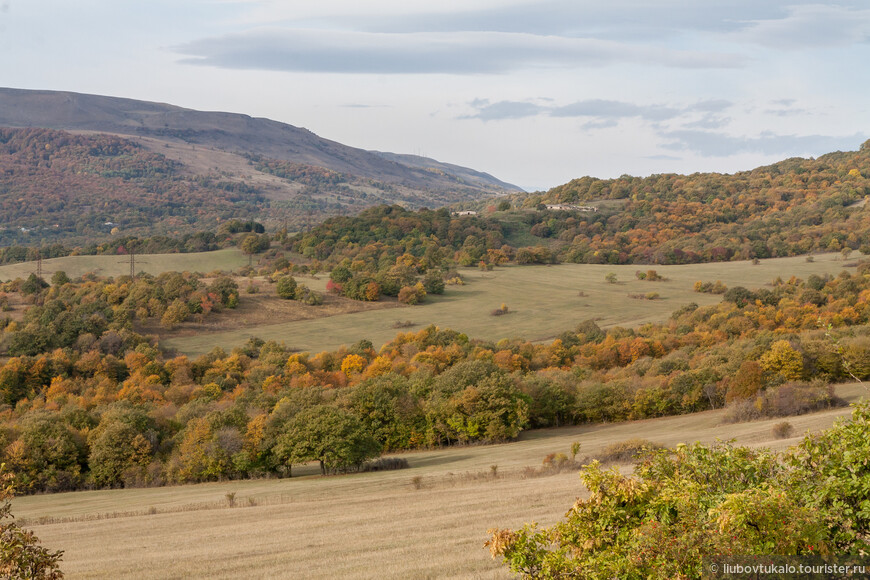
(39, 264)
(133, 264)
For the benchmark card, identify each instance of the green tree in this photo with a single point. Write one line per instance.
(59, 278)
(227, 291)
(254, 244)
(286, 287)
(121, 442)
(175, 314)
(335, 438)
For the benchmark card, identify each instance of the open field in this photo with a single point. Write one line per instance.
(74, 266)
(543, 300)
(265, 307)
(373, 525)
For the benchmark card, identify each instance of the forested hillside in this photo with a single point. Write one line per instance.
(56, 185)
(792, 207)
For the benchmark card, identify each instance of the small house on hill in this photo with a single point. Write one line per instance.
(567, 207)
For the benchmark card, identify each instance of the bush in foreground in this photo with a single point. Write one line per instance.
(21, 556)
(698, 501)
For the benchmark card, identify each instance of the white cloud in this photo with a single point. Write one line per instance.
(815, 25)
(334, 51)
(710, 144)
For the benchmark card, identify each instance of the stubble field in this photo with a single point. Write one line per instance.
(371, 525)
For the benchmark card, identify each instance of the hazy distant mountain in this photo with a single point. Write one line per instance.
(237, 133)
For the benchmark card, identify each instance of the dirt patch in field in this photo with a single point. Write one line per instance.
(16, 305)
(264, 307)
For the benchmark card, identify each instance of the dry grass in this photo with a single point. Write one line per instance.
(543, 300)
(74, 266)
(265, 308)
(368, 525)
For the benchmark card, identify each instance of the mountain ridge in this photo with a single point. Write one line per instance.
(235, 132)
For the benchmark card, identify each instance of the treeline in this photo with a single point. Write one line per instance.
(206, 241)
(100, 313)
(106, 408)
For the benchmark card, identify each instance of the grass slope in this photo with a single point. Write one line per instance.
(543, 300)
(374, 525)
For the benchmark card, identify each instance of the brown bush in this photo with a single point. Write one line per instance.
(783, 401)
(782, 430)
(628, 450)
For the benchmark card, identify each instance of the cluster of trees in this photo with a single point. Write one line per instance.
(378, 236)
(106, 408)
(288, 289)
(684, 507)
(408, 279)
(100, 313)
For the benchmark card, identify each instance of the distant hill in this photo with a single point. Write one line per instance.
(73, 165)
(793, 207)
(231, 132)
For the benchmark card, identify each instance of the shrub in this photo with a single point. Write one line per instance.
(412, 294)
(22, 556)
(783, 401)
(503, 309)
(286, 287)
(386, 464)
(685, 505)
(306, 295)
(782, 430)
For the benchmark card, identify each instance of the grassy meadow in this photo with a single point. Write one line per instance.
(543, 302)
(371, 525)
(75, 266)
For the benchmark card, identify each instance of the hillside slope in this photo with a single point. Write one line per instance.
(228, 132)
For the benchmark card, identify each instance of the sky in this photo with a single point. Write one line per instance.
(534, 92)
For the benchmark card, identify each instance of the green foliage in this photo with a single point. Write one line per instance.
(21, 556)
(286, 287)
(697, 501)
(59, 278)
(335, 438)
(123, 442)
(254, 244)
(227, 291)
